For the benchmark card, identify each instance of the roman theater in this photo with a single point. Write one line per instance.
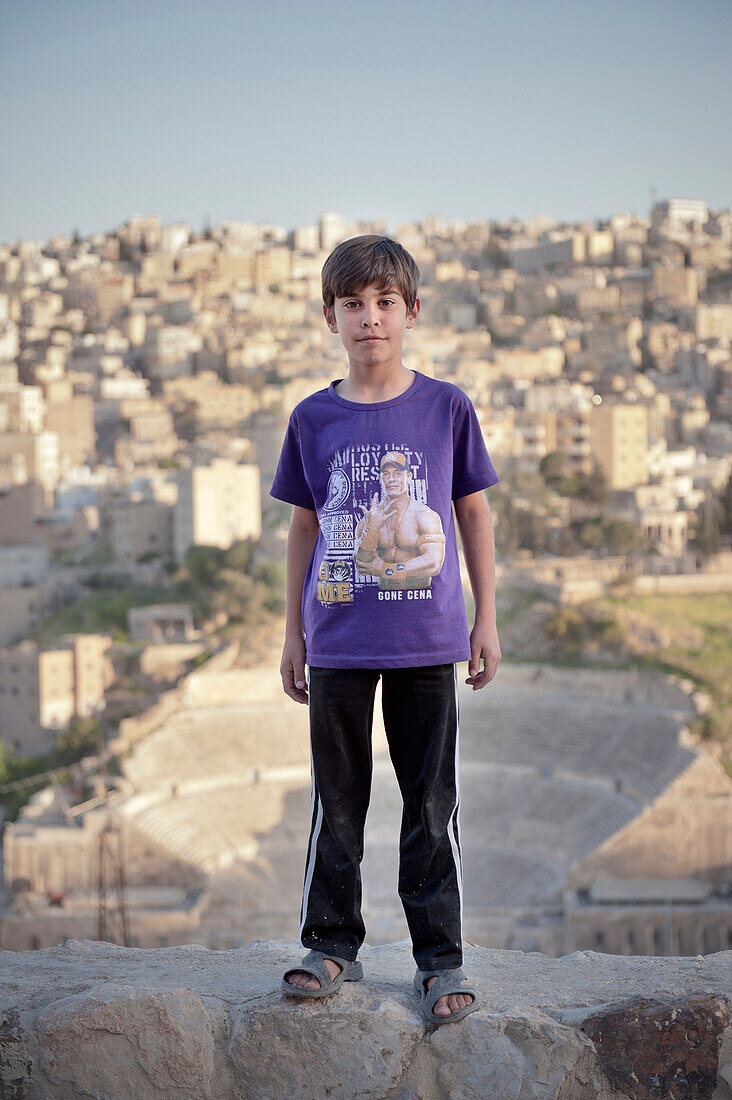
(587, 816)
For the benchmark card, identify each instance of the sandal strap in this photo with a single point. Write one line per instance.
(314, 963)
(448, 982)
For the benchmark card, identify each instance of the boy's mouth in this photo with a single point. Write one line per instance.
(371, 339)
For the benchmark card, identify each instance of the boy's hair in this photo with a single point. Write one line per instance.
(367, 261)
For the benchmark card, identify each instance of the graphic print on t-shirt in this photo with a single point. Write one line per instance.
(379, 530)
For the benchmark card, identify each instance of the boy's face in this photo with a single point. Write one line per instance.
(371, 323)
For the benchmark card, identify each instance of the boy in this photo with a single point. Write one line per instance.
(371, 466)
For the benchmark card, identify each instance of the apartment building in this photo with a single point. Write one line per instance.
(619, 441)
(41, 689)
(528, 256)
(677, 286)
(138, 529)
(217, 405)
(72, 420)
(714, 322)
(26, 456)
(217, 504)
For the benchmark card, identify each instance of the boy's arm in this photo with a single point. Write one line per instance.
(303, 535)
(476, 532)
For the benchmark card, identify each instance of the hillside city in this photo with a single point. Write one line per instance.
(154, 778)
(146, 377)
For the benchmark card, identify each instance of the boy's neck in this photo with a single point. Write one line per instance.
(381, 382)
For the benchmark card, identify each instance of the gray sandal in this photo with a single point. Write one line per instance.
(448, 981)
(313, 964)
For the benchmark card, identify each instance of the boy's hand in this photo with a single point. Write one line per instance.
(483, 643)
(292, 668)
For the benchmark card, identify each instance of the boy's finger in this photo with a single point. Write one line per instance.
(296, 691)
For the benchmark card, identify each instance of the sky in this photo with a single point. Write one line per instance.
(230, 110)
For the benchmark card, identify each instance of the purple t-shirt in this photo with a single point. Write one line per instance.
(383, 588)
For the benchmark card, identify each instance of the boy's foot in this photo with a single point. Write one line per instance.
(445, 1006)
(304, 980)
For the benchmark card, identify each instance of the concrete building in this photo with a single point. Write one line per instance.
(677, 286)
(29, 457)
(217, 504)
(174, 237)
(20, 612)
(668, 530)
(619, 441)
(42, 689)
(714, 322)
(306, 238)
(162, 623)
(528, 256)
(149, 433)
(597, 299)
(524, 363)
(21, 408)
(333, 230)
(72, 419)
(648, 917)
(572, 437)
(216, 404)
(140, 528)
(22, 564)
(679, 214)
(21, 507)
(273, 266)
(599, 247)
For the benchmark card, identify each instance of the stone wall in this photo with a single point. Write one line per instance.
(94, 1019)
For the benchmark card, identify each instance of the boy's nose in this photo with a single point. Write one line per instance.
(370, 320)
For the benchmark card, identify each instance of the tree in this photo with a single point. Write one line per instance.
(201, 565)
(725, 500)
(532, 531)
(552, 467)
(708, 535)
(595, 488)
(81, 736)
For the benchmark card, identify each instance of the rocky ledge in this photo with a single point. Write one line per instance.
(93, 1019)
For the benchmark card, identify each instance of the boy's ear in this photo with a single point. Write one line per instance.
(329, 318)
(413, 313)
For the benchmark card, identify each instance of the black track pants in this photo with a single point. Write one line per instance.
(420, 710)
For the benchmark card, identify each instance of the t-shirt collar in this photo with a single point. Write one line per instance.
(363, 406)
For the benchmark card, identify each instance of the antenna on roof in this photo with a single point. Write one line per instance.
(112, 917)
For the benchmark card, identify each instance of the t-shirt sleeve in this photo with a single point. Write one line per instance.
(472, 468)
(290, 483)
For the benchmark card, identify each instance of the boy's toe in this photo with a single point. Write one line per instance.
(301, 979)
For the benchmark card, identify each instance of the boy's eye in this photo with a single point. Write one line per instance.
(383, 302)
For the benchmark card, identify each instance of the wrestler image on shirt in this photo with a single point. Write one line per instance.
(398, 539)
